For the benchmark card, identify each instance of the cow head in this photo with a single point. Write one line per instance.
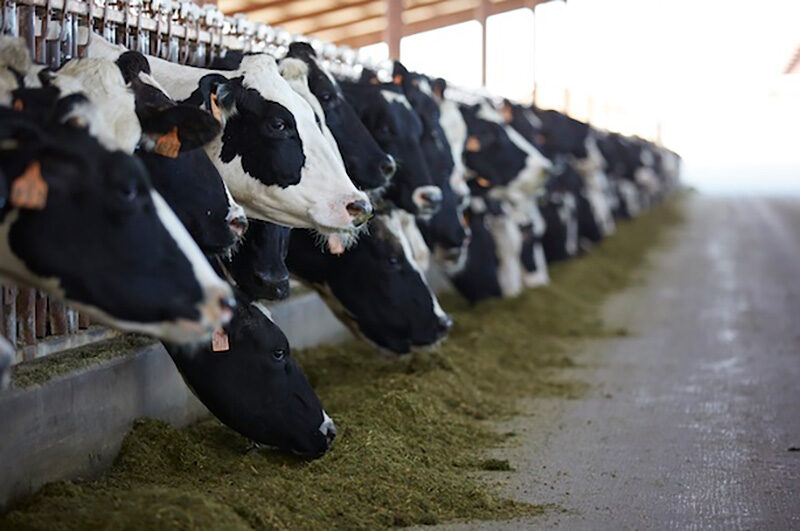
(123, 256)
(258, 267)
(375, 288)
(367, 164)
(255, 387)
(388, 116)
(497, 154)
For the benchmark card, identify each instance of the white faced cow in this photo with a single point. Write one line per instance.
(271, 152)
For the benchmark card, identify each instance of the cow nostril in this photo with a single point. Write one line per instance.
(388, 167)
(238, 225)
(360, 211)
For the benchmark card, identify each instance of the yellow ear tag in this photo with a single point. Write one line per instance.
(215, 109)
(168, 144)
(473, 144)
(219, 340)
(29, 190)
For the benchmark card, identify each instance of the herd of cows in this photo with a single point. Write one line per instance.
(171, 200)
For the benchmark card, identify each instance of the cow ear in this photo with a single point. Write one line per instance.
(400, 73)
(301, 50)
(178, 128)
(368, 77)
(438, 86)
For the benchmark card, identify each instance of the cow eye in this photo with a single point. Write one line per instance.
(278, 354)
(79, 122)
(128, 191)
(326, 97)
(279, 124)
(394, 260)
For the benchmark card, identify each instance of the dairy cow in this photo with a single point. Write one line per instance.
(252, 384)
(369, 166)
(83, 223)
(387, 114)
(444, 232)
(270, 152)
(400, 313)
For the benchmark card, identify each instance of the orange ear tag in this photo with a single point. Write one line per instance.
(215, 109)
(373, 81)
(29, 190)
(483, 183)
(219, 341)
(18, 105)
(398, 79)
(508, 115)
(473, 144)
(168, 144)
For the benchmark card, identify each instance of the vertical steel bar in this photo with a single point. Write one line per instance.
(10, 314)
(41, 314)
(26, 315)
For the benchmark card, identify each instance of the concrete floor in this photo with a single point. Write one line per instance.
(688, 421)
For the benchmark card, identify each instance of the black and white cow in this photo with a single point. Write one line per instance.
(499, 155)
(387, 114)
(84, 224)
(182, 172)
(271, 152)
(369, 166)
(254, 385)
(375, 288)
(445, 232)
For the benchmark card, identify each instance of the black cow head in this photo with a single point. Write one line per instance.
(367, 164)
(375, 287)
(84, 223)
(181, 171)
(259, 266)
(255, 387)
(388, 115)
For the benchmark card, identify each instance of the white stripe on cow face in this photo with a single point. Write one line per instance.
(395, 226)
(455, 129)
(396, 97)
(320, 198)
(214, 288)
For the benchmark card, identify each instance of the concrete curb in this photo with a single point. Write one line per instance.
(73, 425)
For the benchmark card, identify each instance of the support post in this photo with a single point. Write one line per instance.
(535, 76)
(481, 14)
(394, 27)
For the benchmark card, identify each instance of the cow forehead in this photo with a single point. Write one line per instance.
(485, 112)
(260, 72)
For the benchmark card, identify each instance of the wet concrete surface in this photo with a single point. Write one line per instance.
(689, 421)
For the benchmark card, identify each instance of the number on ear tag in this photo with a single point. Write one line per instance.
(219, 341)
(168, 144)
(29, 190)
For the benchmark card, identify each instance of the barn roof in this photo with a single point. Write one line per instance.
(361, 22)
